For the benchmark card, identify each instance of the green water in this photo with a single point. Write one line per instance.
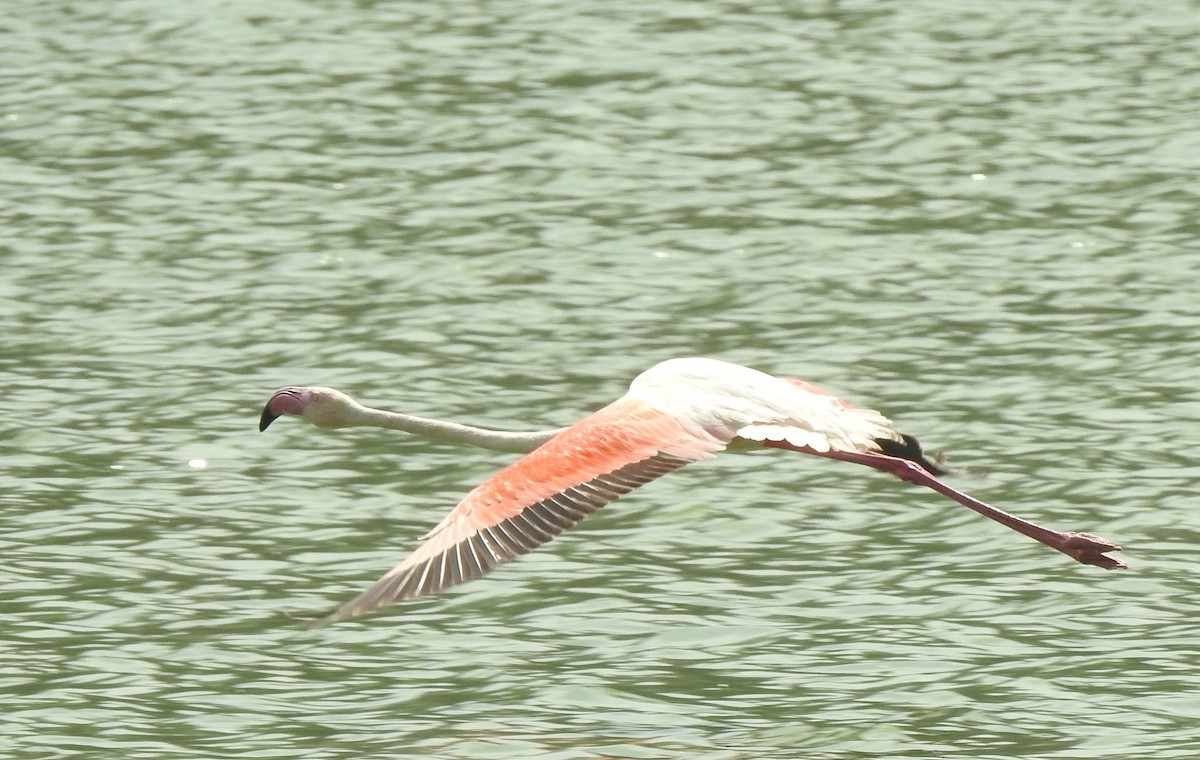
(981, 221)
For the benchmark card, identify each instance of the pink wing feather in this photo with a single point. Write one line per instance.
(804, 385)
(605, 455)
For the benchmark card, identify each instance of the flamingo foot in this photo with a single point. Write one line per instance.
(1081, 547)
(1090, 550)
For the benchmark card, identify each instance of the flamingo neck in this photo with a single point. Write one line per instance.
(450, 432)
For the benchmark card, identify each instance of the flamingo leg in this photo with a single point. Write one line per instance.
(1082, 547)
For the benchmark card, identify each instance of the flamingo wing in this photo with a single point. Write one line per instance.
(605, 455)
(817, 390)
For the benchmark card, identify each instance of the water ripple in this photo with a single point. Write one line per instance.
(979, 220)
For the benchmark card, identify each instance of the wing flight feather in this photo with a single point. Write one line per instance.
(551, 489)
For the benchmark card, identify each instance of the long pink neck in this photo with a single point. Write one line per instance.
(451, 432)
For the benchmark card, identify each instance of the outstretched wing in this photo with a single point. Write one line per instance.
(883, 436)
(591, 463)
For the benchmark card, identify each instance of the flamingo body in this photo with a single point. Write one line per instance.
(675, 413)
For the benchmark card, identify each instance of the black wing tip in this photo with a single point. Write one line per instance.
(370, 602)
(337, 616)
(909, 448)
(355, 608)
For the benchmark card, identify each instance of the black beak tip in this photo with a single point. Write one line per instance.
(266, 419)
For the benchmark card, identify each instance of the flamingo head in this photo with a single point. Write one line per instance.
(323, 407)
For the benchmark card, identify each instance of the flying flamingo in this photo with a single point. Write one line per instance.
(676, 412)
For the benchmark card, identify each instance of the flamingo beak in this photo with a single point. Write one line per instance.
(289, 400)
(267, 417)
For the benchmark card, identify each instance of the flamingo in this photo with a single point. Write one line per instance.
(677, 412)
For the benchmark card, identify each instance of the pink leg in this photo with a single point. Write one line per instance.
(1083, 547)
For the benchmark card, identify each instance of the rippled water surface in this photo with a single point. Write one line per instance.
(982, 221)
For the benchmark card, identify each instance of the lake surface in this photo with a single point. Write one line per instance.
(981, 221)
